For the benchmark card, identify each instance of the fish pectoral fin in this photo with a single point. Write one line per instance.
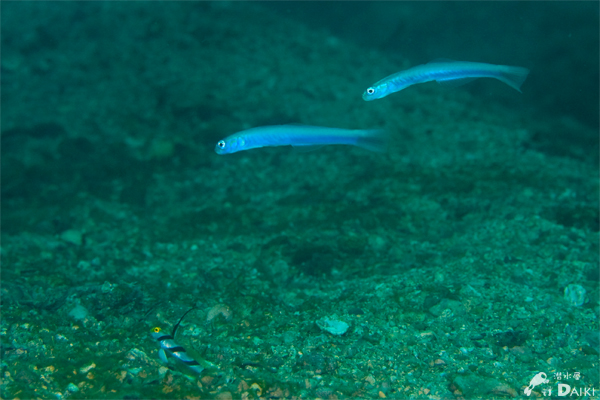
(163, 356)
(450, 83)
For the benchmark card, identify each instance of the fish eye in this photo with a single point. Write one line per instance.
(370, 90)
(221, 144)
(156, 330)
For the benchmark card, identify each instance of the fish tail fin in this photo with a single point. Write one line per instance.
(513, 76)
(373, 140)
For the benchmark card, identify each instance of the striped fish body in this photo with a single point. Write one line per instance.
(168, 345)
(446, 72)
(301, 135)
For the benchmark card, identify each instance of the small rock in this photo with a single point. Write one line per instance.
(333, 326)
(108, 287)
(78, 312)
(575, 295)
(377, 243)
(72, 236)
(71, 387)
(87, 368)
(219, 309)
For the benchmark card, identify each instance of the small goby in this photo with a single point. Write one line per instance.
(168, 345)
(449, 72)
(301, 136)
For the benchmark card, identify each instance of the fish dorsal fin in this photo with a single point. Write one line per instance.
(450, 83)
(179, 322)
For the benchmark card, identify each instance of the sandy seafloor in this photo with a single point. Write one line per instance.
(447, 257)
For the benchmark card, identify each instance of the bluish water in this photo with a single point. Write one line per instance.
(461, 263)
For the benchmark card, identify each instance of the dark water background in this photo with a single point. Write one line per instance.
(551, 38)
(461, 263)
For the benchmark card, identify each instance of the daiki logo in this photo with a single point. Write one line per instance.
(541, 379)
(535, 381)
(565, 390)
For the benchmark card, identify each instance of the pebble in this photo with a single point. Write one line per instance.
(575, 295)
(71, 387)
(78, 312)
(72, 236)
(87, 368)
(333, 326)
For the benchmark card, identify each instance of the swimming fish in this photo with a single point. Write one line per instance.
(168, 345)
(301, 135)
(446, 72)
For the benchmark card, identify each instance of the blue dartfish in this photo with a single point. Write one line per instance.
(301, 135)
(446, 72)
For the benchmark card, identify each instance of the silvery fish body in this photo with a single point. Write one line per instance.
(301, 135)
(446, 72)
(168, 345)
